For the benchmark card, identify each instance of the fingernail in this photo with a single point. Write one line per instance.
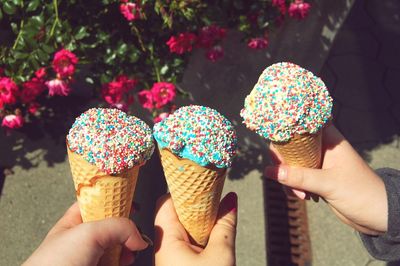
(231, 202)
(147, 239)
(277, 173)
(300, 194)
(282, 174)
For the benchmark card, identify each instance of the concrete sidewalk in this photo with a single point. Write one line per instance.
(362, 72)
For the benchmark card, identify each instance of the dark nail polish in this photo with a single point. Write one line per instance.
(231, 202)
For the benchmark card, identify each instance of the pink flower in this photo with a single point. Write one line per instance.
(64, 63)
(8, 91)
(40, 73)
(299, 9)
(114, 91)
(182, 43)
(209, 35)
(31, 89)
(12, 121)
(163, 93)
(160, 117)
(281, 5)
(131, 11)
(33, 108)
(215, 53)
(58, 87)
(146, 99)
(128, 84)
(257, 43)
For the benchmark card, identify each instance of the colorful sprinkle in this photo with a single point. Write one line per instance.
(200, 134)
(110, 139)
(287, 100)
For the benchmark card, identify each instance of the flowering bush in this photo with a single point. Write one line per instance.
(126, 51)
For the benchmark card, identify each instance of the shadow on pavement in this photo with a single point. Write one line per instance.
(362, 73)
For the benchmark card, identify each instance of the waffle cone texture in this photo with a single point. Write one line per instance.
(101, 195)
(302, 150)
(195, 192)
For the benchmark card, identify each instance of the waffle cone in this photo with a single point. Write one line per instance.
(101, 196)
(301, 150)
(196, 193)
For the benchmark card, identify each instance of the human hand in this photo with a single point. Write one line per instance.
(172, 245)
(351, 188)
(71, 242)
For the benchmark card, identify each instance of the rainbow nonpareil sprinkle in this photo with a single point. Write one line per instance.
(110, 139)
(200, 134)
(287, 100)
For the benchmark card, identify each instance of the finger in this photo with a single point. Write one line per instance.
(276, 158)
(223, 235)
(313, 180)
(71, 218)
(170, 235)
(332, 136)
(168, 222)
(115, 231)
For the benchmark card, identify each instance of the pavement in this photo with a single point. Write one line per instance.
(352, 45)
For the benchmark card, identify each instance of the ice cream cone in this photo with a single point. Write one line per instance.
(196, 193)
(301, 150)
(101, 195)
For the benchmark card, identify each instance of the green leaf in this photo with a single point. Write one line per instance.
(80, 33)
(37, 21)
(19, 55)
(48, 49)
(17, 2)
(134, 56)
(164, 69)
(42, 56)
(33, 5)
(14, 27)
(122, 48)
(70, 46)
(110, 58)
(34, 63)
(9, 8)
(1, 14)
(104, 78)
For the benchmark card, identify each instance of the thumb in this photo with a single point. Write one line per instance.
(223, 234)
(312, 180)
(115, 231)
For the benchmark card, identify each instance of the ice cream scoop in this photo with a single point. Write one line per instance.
(287, 100)
(289, 106)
